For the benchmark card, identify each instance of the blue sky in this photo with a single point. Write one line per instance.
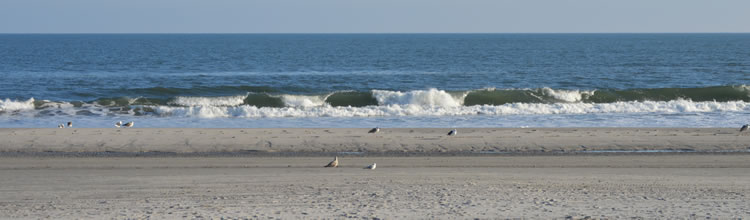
(375, 16)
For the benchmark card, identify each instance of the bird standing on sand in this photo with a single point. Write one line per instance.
(744, 127)
(118, 124)
(334, 163)
(452, 132)
(70, 124)
(374, 130)
(371, 167)
(60, 126)
(129, 124)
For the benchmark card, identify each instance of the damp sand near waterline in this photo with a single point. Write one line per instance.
(357, 141)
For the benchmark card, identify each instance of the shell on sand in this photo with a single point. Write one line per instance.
(334, 163)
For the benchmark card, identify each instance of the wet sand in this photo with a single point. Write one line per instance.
(322, 141)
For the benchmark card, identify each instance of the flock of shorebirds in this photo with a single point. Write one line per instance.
(335, 162)
(118, 124)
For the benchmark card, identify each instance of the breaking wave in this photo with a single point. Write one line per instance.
(15, 105)
(429, 102)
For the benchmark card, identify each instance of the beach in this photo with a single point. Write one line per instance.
(389, 141)
(239, 124)
(421, 173)
(598, 186)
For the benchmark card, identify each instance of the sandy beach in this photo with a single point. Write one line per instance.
(278, 173)
(596, 186)
(389, 140)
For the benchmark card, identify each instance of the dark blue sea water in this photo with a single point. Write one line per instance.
(363, 80)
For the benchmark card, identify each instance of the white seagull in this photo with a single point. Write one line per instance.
(129, 124)
(334, 163)
(374, 130)
(744, 127)
(60, 126)
(371, 167)
(118, 124)
(452, 132)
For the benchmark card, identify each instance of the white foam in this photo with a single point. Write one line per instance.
(15, 105)
(743, 88)
(567, 95)
(675, 106)
(58, 105)
(429, 98)
(303, 100)
(208, 101)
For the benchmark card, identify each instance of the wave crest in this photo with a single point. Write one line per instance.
(15, 105)
(675, 106)
(208, 101)
(431, 98)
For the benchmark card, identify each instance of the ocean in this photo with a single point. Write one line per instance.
(368, 80)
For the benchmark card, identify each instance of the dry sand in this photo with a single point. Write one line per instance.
(531, 173)
(411, 140)
(576, 186)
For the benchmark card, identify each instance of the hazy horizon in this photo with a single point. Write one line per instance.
(354, 33)
(387, 16)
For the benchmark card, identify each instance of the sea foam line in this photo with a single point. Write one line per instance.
(15, 105)
(675, 106)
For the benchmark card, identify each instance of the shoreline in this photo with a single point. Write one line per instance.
(356, 141)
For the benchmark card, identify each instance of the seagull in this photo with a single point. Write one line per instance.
(70, 124)
(371, 167)
(60, 126)
(118, 124)
(334, 163)
(129, 124)
(374, 130)
(744, 127)
(452, 132)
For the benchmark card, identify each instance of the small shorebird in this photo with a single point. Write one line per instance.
(334, 163)
(60, 126)
(374, 130)
(452, 132)
(118, 124)
(744, 127)
(70, 124)
(129, 124)
(372, 166)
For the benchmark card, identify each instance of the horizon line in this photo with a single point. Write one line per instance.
(40, 33)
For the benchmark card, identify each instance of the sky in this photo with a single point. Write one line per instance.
(374, 16)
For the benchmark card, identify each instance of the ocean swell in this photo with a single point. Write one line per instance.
(429, 102)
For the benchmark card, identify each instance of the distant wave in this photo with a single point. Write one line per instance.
(429, 102)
